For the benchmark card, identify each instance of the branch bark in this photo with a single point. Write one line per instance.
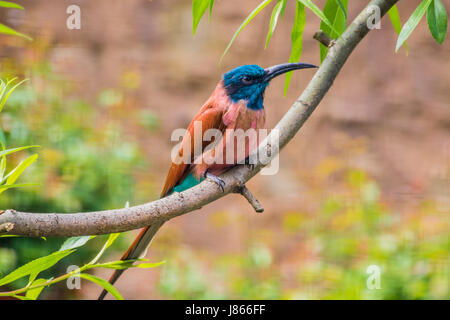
(245, 192)
(119, 220)
(323, 38)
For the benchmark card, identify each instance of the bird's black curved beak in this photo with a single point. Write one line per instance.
(274, 71)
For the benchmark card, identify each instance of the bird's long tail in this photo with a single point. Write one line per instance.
(135, 251)
(139, 246)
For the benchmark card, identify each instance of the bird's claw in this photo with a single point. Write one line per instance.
(220, 183)
(250, 164)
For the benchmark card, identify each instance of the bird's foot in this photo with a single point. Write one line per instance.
(215, 179)
(249, 163)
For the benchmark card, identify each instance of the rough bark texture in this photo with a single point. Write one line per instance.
(119, 220)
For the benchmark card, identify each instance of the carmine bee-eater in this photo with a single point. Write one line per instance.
(236, 103)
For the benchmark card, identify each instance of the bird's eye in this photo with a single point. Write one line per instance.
(246, 80)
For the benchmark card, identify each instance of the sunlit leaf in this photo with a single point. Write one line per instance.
(75, 242)
(198, 10)
(437, 20)
(2, 139)
(274, 20)
(412, 23)
(253, 14)
(7, 30)
(9, 151)
(125, 264)
(105, 284)
(20, 297)
(33, 294)
(311, 6)
(35, 266)
(394, 16)
(17, 185)
(15, 236)
(342, 7)
(283, 7)
(14, 174)
(338, 19)
(111, 238)
(6, 93)
(8, 4)
(2, 167)
(296, 39)
(211, 4)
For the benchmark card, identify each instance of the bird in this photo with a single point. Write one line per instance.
(237, 102)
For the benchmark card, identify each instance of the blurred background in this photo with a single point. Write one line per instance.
(365, 182)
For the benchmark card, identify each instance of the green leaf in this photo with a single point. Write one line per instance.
(33, 294)
(311, 6)
(250, 17)
(5, 94)
(15, 236)
(198, 10)
(7, 30)
(283, 7)
(338, 19)
(7, 4)
(35, 267)
(211, 4)
(75, 242)
(394, 16)
(2, 167)
(17, 185)
(412, 23)
(296, 39)
(149, 265)
(2, 139)
(105, 284)
(274, 19)
(20, 297)
(437, 20)
(9, 151)
(342, 7)
(125, 264)
(14, 174)
(112, 237)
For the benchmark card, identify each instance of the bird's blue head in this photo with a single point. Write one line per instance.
(249, 82)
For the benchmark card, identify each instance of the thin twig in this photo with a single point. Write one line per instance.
(324, 39)
(245, 192)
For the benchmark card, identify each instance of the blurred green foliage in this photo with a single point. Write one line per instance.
(352, 230)
(85, 162)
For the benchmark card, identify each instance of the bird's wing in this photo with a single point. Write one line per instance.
(210, 117)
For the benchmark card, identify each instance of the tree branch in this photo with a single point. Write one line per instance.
(245, 192)
(119, 220)
(323, 38)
